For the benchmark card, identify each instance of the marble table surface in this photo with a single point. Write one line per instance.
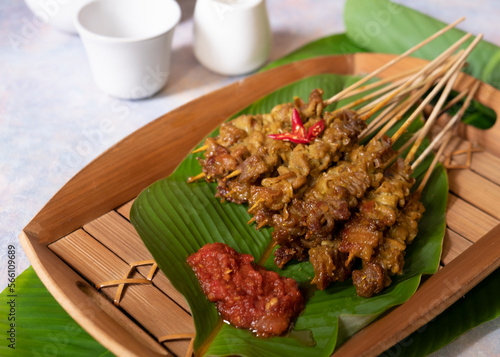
(52, 114)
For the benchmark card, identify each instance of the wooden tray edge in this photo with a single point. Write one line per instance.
(87, 198)
(77, 304)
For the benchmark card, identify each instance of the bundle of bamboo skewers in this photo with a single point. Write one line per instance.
(348, 207)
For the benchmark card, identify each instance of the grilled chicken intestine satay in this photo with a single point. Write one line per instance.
(377, 210)
(249, 166)
(388, 220)
(388, 257)
(329, 201)
(243, 142)
(384, 213)
(300, 164)
(362, 235)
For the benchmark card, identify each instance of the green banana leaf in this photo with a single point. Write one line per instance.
(339, 44)
(477, 306)
(41, 326)
(387, 27)
(175, 219)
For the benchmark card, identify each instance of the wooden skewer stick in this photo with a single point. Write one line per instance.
(401, 110)
(375, 108)
(422, 156)
(402, 149)
(232, 174)
(370, 96)
(446, 130)
(432, 118)
(384, 81)
(408, 143)
(456, 118)
(430, 67)
(452, 102)
(255, 205)
(262, 224)
(434, 163)
(379, 120)
(383, 98)
(196, 178)
(436, 89)
(344, 92)
(200, 149)
(425, 80)
(379, 93)
(417, 83)
(349, 259)
(437, 109)
(396, 113)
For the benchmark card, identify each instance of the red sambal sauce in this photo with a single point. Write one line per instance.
(246, 294)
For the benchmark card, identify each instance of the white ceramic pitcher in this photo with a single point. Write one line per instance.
(231, 37)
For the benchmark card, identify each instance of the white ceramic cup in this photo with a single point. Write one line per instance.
(231, 37)
(128, 43)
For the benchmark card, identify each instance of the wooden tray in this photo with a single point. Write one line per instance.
(83, 237)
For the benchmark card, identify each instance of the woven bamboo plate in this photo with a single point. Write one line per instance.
(83, 238)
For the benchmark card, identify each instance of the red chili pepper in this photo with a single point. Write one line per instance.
(297, 126)
(299, 134)
(316, 129)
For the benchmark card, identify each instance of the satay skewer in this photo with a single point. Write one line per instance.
(388, 80)
(460, 61)
(452, 102)
(392, 62)
(196, 178)
(200, 149)
(365, 169)
(430, 66)
(383, 93)
(399, 90)
(434, 115)
(381, 248)
(425, 78)
(452, 122)
(394, 113)
(425, 179)
(449, 79)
